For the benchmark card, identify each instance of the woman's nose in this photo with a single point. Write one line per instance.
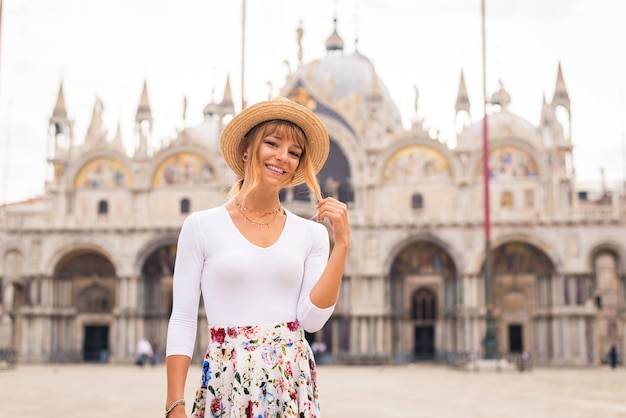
(281, 154)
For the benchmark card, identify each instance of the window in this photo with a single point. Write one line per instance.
(185, 205)
(417, 201)
(103, 207)
(506, 200)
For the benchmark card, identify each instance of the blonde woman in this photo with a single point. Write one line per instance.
(265, 274)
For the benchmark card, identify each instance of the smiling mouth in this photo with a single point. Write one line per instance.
(276, 169)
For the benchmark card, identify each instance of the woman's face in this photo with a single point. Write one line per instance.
(278, 156)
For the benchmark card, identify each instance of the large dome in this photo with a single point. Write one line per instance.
(350, 77)
(347, 81)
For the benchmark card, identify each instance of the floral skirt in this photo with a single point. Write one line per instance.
(258, 371)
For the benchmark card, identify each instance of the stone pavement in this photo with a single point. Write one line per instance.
(98, 391)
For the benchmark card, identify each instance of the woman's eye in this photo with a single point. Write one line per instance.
(271, 143)
(295, 154)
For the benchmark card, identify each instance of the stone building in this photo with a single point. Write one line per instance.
(86, 270)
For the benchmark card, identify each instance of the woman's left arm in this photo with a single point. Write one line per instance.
(326, 291)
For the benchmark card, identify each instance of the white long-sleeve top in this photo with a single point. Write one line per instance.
(241, 283)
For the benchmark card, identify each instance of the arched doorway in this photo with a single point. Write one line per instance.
(609, 300)
(155, 295)
(84, 292)
(523, 283)
(424, 316)
(422, 281)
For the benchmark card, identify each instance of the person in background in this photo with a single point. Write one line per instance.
(613, 356)
(265, 274)
(144, 352)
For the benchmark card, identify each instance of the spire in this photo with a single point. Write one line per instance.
(462, 99)
(143, 110)
(547, 114)
(227, 105)
(462, 120)
(95, 133)
(334, 43)
(561, 96)
(117, 140)
(228, 95)
(143, 123)
(59, 109)
(59, 114)
(60, 138)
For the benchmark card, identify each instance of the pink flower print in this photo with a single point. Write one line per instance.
(216, 407)
(218, 335)
(232, 332)
(292, 325)
(289, 370)
(282, 385)
(250, 332)
(307, 406)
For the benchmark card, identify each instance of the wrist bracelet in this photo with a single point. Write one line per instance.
(174, 405)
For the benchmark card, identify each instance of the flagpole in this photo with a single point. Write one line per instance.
(5, 178)
(243, 52)
(490, 341)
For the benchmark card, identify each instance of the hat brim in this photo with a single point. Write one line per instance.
(318, 143)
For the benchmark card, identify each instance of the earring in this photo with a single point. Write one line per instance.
(244, 157)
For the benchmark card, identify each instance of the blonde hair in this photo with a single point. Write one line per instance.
(252, 174)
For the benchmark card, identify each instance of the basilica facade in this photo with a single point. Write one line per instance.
(86, 270)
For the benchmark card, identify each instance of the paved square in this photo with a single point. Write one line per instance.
(98, 391)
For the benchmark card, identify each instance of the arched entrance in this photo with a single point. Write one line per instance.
(424, 316)
(84, 292)
(155, 295)
(522, 273)
(422, 281)
(608, 299)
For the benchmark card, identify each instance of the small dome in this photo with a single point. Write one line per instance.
(334, 42)
(501, 97)
(211, 109)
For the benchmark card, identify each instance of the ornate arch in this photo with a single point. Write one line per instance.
(183, 167)
(103, 172)
(416, 162)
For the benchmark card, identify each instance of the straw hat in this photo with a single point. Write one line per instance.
(317, 144)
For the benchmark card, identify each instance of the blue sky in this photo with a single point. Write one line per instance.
(187, 48)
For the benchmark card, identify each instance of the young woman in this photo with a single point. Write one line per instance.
(265, 274)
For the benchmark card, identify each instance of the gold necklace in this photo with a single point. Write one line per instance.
(242, 210)
(260, 215)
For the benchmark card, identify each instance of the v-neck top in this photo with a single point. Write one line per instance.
(241, 283)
